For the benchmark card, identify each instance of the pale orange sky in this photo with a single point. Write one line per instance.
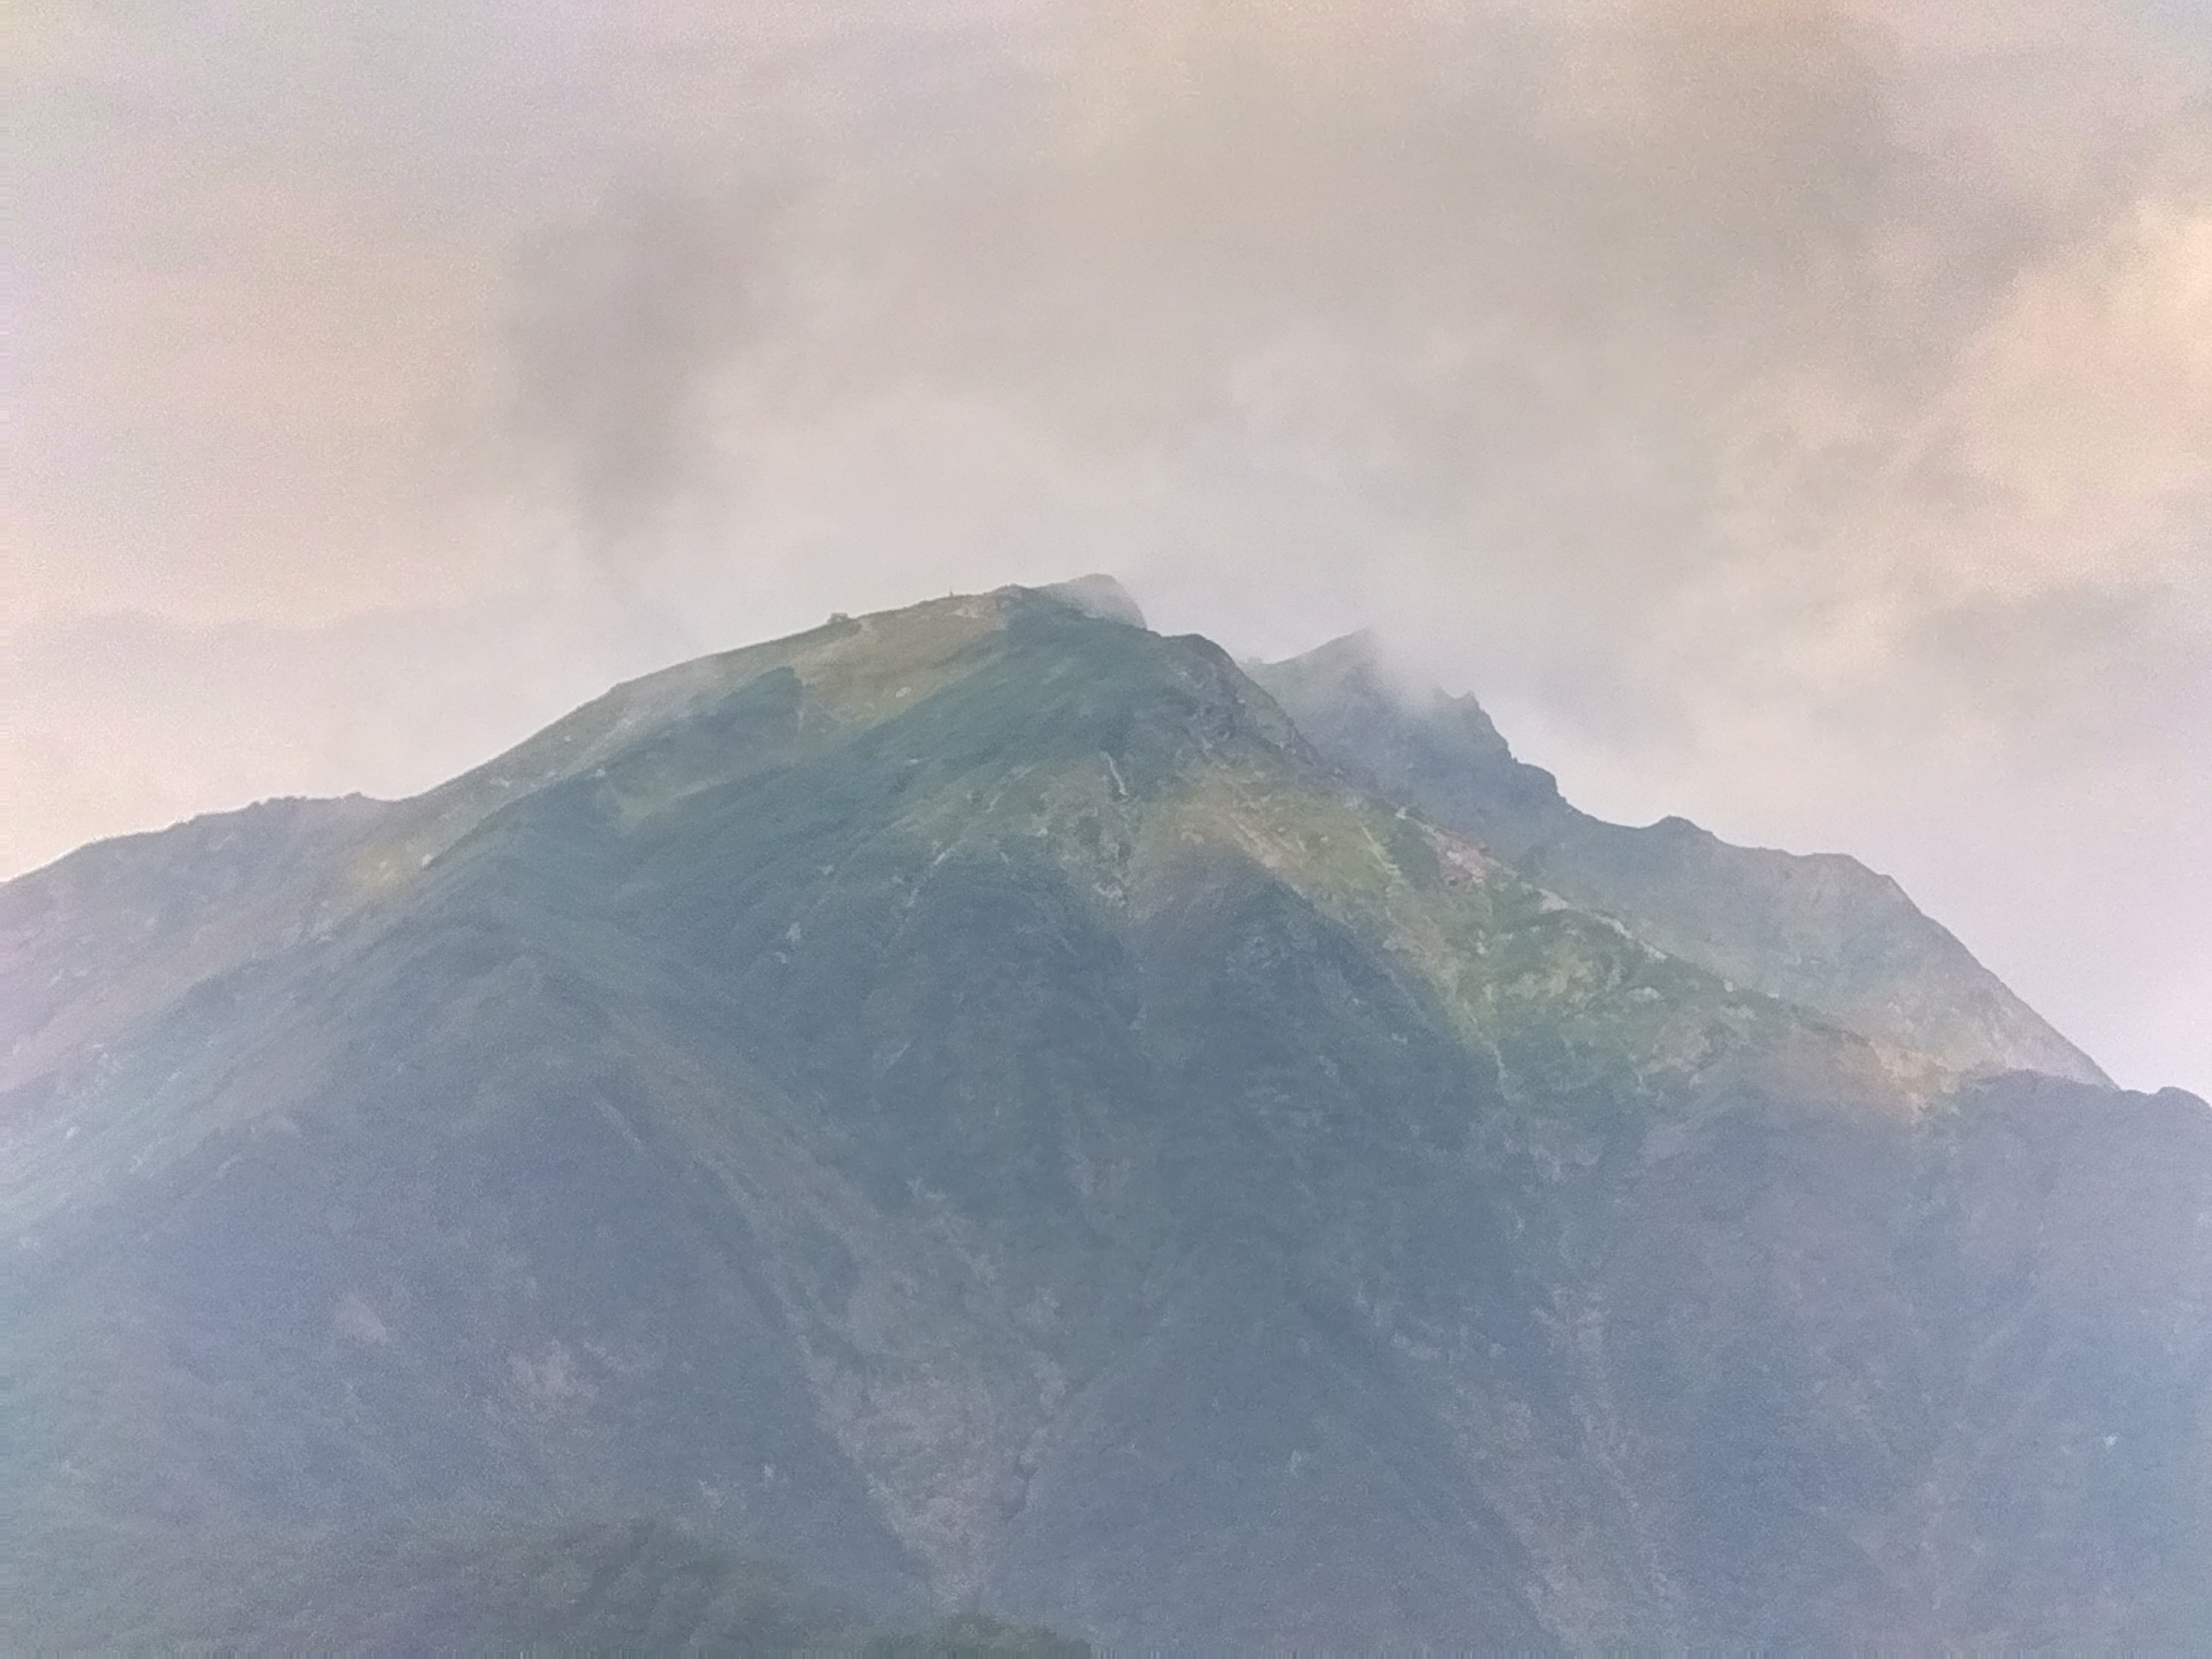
(1793, 415)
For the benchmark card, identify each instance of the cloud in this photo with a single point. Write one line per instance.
(619, 322)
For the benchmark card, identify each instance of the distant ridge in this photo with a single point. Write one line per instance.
(1823, 931)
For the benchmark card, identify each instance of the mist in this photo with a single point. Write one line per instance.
(1796, 416)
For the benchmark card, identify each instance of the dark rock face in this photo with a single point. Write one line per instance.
(968, 1103)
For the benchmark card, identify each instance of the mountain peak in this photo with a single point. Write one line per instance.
(1096, 595)
(1349, 656)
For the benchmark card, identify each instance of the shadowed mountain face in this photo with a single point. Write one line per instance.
(976, 1103)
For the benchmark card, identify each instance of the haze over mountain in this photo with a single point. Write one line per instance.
(987, 1105)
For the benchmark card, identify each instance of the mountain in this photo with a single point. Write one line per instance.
(1824, 932)
(988, 1107)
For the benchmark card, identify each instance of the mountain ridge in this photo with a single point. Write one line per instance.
(1337, 697)
(1820, 930)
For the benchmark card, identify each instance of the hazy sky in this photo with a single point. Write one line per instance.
(1793, 413)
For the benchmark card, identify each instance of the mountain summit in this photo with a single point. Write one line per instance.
(989, 1105)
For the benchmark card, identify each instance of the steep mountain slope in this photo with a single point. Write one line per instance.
(969, 1102)
(1824, 932)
